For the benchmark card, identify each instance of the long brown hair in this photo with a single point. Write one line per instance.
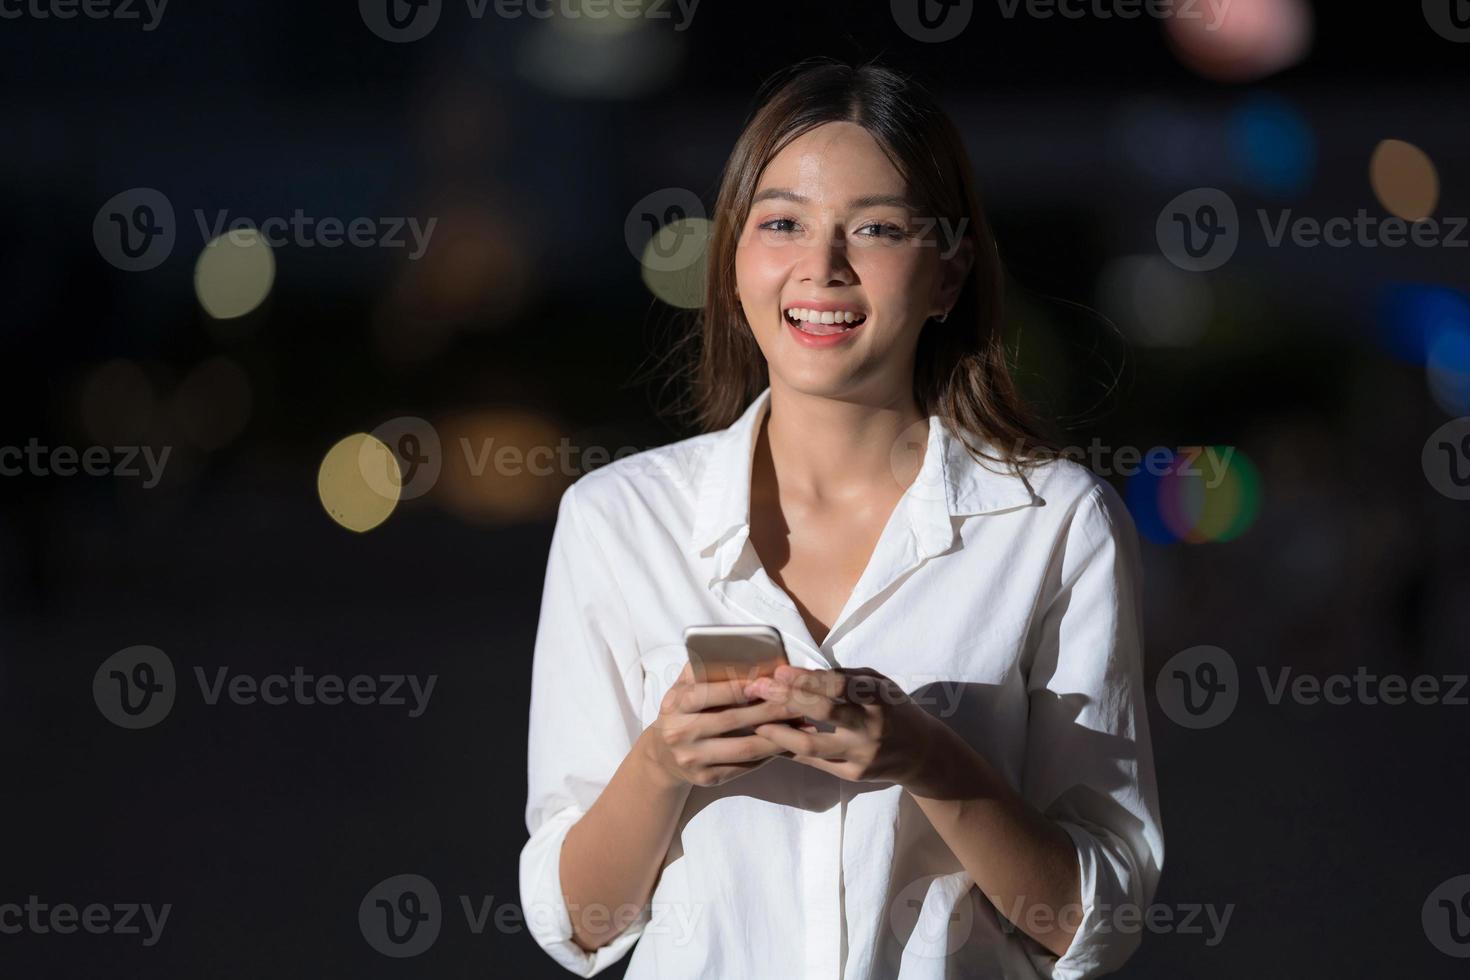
(961, 369)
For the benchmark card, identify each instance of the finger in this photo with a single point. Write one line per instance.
(739, 750)
(853, 717)
(810, 702)
(697, 696)
(756, 714)
(867, 686)
(830, 684)
(815, 745)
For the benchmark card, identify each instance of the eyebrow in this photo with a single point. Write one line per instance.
(866, 201)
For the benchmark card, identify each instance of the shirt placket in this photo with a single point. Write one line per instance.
(821, 878)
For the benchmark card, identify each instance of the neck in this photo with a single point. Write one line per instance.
(837, 450)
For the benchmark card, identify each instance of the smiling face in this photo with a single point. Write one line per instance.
(833, 235)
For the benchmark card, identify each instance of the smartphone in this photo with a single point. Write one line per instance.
(743, 652)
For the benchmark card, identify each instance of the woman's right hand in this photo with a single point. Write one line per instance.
(688, 743)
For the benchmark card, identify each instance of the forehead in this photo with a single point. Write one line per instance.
(834, 160)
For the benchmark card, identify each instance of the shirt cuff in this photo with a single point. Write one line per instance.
(1097, 947)
(545, 908)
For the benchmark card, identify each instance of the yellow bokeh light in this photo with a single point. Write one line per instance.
(359, 482)
(674, 262)
(1404, 179)
(234, 273)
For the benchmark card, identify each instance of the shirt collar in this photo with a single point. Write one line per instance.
(950, 483)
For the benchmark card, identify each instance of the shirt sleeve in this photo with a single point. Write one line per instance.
(1089, 761)
(586, 689)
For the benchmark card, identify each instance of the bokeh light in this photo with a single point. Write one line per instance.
(1273, 146)
(1205, 494)
(212, 404)
(503, 466)
(476, 273)
(356, 482)
(1404, 180)
(1155, 303)
(1448, 367)
(1242, 40)
(1412, 316)
(234, 273)
(674, 262)
(591, 50)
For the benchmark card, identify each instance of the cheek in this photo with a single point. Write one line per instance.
(896, 279)
(760, 268)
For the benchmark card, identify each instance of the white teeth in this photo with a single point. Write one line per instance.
(824, 316)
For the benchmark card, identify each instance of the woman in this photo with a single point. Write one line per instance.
(954, 776)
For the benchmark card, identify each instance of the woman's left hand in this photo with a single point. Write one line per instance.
(879, 733)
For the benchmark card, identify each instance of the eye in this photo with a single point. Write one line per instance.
(883, 229)
(767, 226)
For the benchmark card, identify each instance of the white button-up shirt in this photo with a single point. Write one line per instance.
(1008, 608)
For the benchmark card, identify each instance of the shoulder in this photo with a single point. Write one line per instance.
(658, 480)
(1078, 499)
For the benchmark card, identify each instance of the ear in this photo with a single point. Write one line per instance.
(956, 261)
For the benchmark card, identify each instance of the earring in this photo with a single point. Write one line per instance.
(943, 316)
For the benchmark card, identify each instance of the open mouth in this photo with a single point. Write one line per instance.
(824, 323)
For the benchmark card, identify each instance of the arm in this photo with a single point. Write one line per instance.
(611, 857)
(1081, 837)
(584, 764)
(1020, 860)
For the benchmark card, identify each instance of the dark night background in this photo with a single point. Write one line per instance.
(528, 320)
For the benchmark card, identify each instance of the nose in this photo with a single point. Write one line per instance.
(824, 261)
